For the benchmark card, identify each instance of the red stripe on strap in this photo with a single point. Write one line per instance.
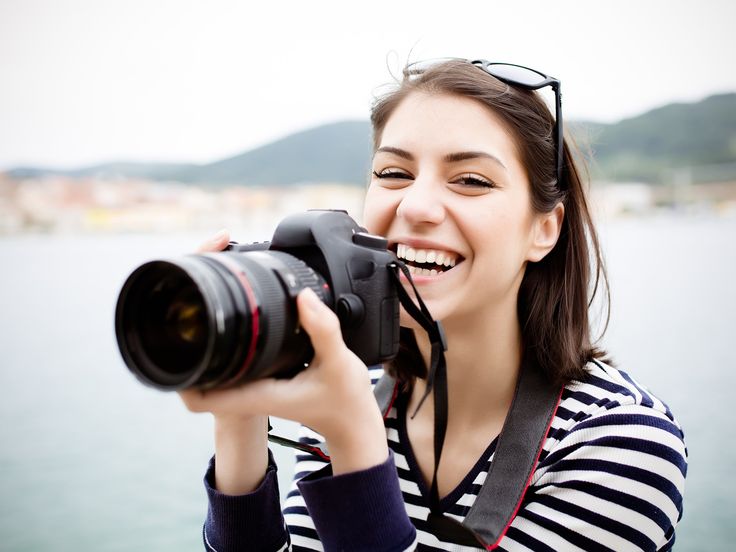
(531, 475)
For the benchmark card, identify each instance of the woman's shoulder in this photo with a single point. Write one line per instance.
(606, 390)
(613, 466)
(608, 412)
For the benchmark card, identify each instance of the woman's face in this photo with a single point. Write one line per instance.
(450, 194)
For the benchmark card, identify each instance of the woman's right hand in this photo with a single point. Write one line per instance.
(241, 440)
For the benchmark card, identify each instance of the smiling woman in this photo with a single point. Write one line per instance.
(474, 188)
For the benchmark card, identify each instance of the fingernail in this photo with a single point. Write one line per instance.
(219, 236)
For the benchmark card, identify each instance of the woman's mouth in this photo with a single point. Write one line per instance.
(427, 262)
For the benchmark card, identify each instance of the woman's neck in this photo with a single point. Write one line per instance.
(483, 360)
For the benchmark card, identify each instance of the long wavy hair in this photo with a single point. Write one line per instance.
(557, 292)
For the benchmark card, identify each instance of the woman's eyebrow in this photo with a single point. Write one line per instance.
(449, 158)
(464, 155)
(396, 151)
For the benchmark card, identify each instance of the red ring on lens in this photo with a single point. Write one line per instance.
(238, 273)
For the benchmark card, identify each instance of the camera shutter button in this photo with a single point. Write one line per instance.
(350, 310)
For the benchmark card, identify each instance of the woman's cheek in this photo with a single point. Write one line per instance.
(377, 212)
(368, 210)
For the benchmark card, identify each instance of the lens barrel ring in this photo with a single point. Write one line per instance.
(272, 323)
(306, 276)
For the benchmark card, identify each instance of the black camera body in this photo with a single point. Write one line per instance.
(219, 319)
(355, 265)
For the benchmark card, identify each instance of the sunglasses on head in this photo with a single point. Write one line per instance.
(514, 75)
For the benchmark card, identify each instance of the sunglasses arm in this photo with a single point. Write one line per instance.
(559, 143)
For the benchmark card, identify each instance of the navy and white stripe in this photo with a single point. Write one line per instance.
(610, 476)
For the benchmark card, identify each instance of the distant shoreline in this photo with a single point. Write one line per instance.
(63, 205)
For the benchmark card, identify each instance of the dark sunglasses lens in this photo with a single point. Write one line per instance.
(513, 73)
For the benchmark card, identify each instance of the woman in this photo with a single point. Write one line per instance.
(473, 188)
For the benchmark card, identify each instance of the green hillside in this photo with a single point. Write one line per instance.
(649, 146)
(644, 148)
(337, 152)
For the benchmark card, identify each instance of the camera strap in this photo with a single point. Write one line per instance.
(437, 374)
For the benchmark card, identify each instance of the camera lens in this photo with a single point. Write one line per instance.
(173, 321)
(215, 320)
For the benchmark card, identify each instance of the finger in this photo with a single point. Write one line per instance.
(254, 398)
(320, 323)
(218, 242)
(194, 400)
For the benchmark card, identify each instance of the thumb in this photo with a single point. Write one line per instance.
(320, 323)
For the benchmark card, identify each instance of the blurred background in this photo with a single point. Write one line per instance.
(134, 130)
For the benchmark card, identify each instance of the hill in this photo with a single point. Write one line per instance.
(645, 148)
(337, 152)
(651, 145)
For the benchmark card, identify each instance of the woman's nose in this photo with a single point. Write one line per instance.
(421, 203)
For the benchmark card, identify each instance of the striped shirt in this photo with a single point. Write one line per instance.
(610, 477)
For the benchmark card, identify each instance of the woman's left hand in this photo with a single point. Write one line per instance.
(333, 396)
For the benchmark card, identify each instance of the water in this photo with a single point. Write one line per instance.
(92, 460)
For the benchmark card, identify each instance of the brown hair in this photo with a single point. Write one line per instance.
(556, 292)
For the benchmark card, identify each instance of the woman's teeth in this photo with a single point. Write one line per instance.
(415, 271)
(443, 259)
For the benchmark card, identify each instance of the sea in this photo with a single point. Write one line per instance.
(90, 459)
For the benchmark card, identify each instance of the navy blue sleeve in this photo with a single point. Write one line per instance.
(245, 522)
(359, 511)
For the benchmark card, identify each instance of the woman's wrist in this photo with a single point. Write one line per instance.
(357, 442)
(241, 453)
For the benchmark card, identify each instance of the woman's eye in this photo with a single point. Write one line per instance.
(392, 173)
(474, 181)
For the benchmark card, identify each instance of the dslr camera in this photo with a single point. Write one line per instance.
(219, 319)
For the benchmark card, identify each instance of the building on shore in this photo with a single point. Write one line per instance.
(59, 204)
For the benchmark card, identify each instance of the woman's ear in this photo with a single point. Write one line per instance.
(547, 228)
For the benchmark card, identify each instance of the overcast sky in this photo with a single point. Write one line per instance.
(88, 81)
